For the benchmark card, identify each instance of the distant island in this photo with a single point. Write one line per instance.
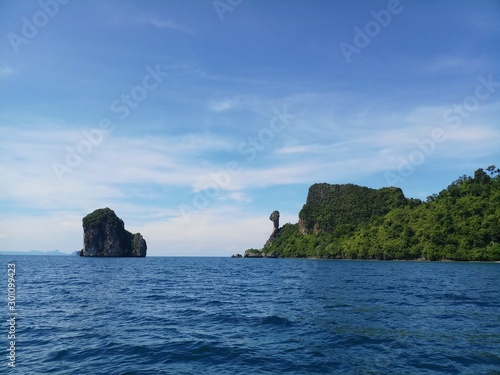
(104, 235)
(348, 221)
(34, 252)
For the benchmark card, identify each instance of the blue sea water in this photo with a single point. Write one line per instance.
(169, 315)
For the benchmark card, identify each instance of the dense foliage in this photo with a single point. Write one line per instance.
(462, 222)
(100, 216)
(341, 208)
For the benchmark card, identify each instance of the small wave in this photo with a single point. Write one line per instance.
(58, 355)
(276, 320)
(457, 297)
(156, 297)
(337, 306)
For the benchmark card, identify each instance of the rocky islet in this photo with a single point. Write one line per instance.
(104, 235)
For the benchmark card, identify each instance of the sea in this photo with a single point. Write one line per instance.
(196, 315)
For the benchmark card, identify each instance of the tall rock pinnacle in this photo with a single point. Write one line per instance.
(275, 218)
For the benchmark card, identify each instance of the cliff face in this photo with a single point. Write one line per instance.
(339, 208)
(104, 235)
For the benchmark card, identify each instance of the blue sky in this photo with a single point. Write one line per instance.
(194, 120)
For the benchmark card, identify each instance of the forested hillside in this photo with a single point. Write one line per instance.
(462, 222)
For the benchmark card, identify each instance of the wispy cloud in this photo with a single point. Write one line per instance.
(6, 71)
(127, 13)
(223, 104)
(315, 148)
(162, 23)
(30, 181)
(300, 149)
(452, 63)
(237, 196)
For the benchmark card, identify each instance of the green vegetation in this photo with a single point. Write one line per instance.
(338, 209)
(462, 222)
(103, 215)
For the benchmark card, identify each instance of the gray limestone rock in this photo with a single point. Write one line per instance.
(104, 235)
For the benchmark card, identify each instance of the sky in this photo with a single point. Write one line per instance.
(194, 120)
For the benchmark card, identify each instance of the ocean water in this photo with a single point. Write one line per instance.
(169, 315)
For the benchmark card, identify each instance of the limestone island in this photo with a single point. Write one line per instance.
(104, 235)
(348, 221)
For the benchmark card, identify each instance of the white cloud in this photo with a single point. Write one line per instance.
(300, 149)
(126, 14)
(6, 71)
(447, 63)
(473, 133)
(165, 24)
(223, 104)
(30, 181)
(238, 196)
(162, 23)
